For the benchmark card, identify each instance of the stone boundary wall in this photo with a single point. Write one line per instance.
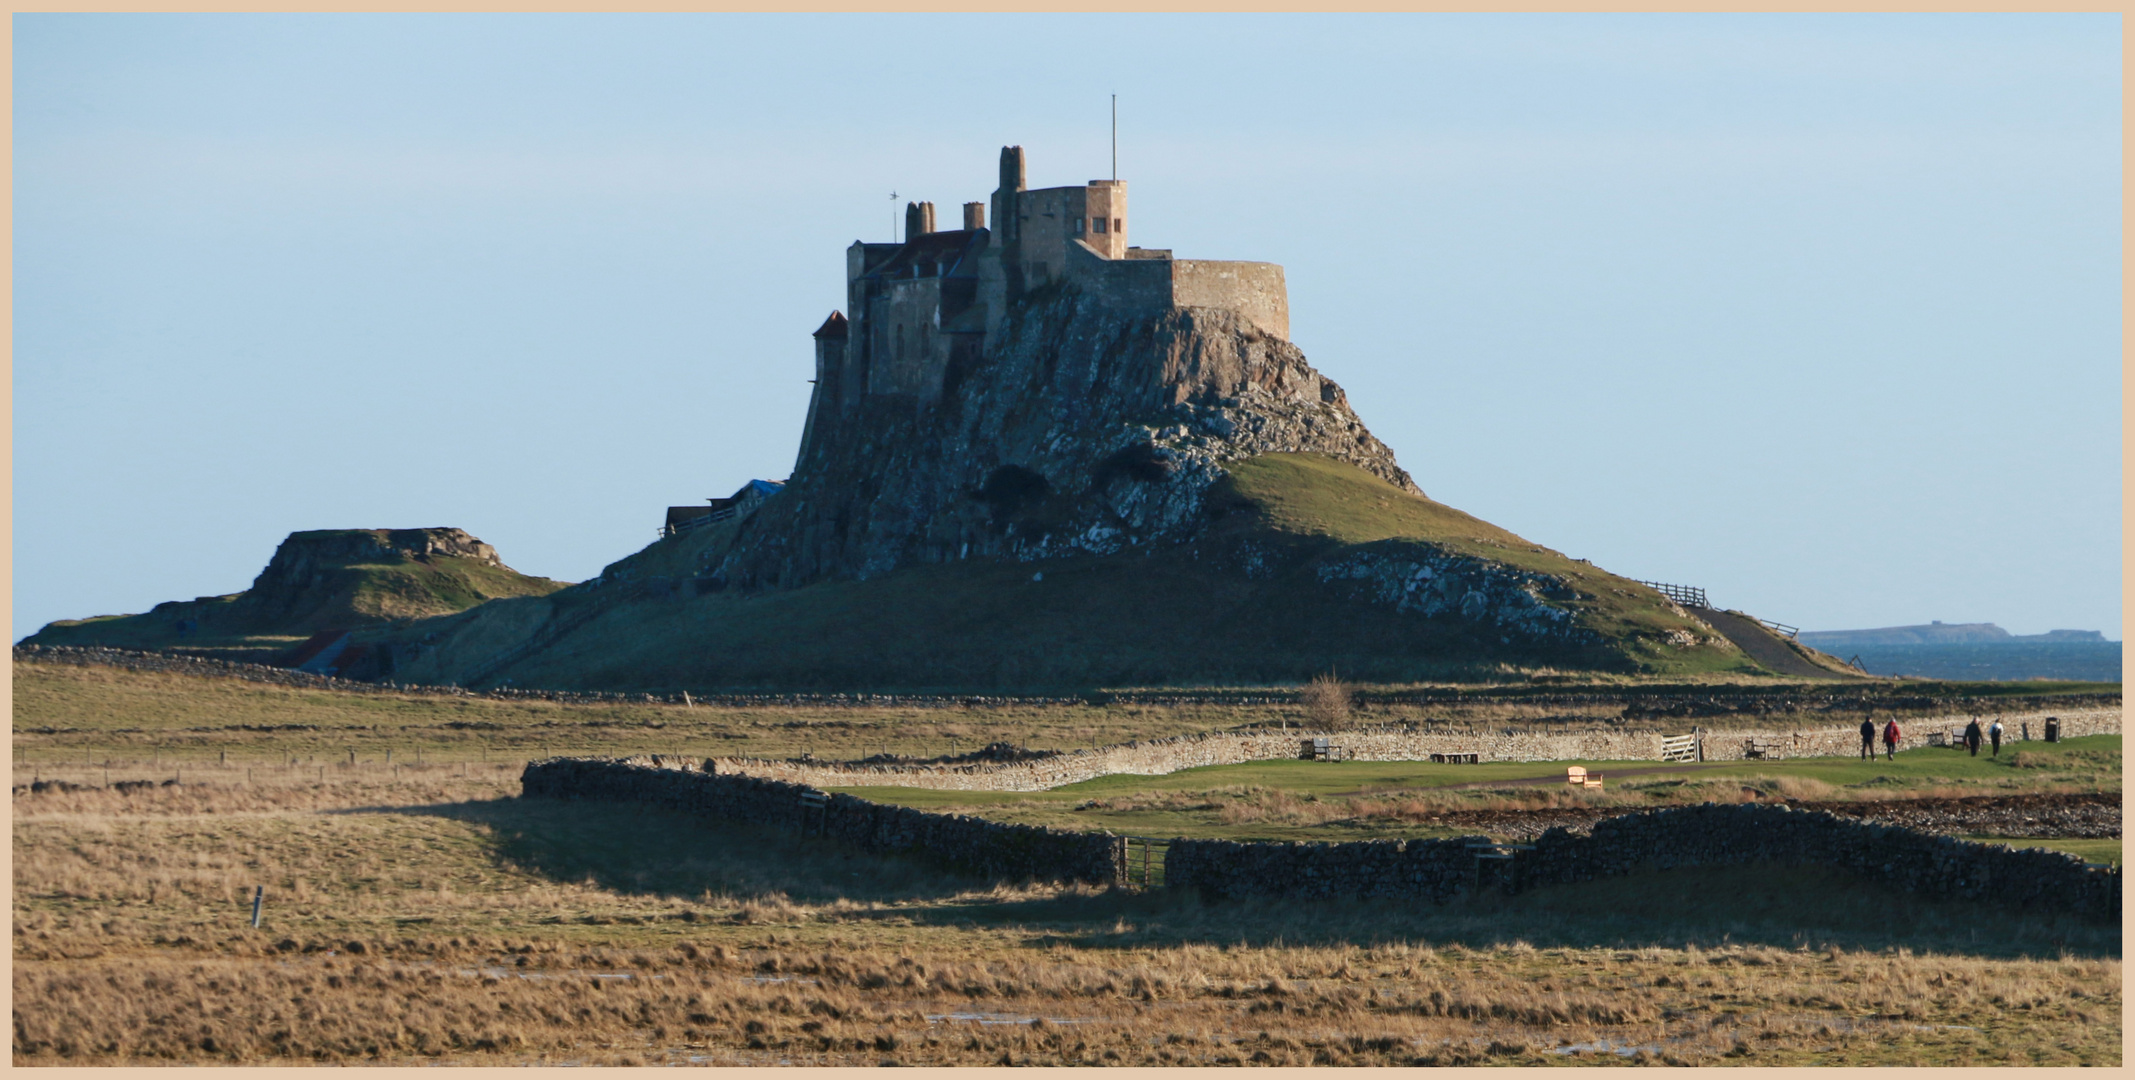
(1156, 757)
(967, 843)
(2032, 879)
(1160, 756)
(1843, 741)
(2028, 880)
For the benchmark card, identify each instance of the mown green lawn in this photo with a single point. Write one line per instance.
(2100, 850)
(1300, 800)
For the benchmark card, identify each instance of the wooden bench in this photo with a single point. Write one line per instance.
(1577, 776)
(1766, 749)
(1457, 759)
(1322, 749)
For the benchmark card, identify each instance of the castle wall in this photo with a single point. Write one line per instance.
(859, 355)
(1046, 224)
(1254, 290)
(909, 353)
(1129, 286)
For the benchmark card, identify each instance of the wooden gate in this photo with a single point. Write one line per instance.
(1679, 748)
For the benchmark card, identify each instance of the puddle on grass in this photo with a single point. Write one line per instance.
(989, 1018)
(1606, 1046)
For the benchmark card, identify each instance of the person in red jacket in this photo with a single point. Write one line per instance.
(1890, 740)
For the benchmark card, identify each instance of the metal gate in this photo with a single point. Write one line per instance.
(1145, 861)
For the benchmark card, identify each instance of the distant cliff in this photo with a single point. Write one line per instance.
(1937, 633)
(1087, 432)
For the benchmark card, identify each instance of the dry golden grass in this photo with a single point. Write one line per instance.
(425, 914)
(473, 928)
(503, 1001)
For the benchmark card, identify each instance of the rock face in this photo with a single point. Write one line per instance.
(1419, 578)
(1083, 430)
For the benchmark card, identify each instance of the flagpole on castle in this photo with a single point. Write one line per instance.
(1115, 138)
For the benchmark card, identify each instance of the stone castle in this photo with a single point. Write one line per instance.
(923, 312)
(1034, 389)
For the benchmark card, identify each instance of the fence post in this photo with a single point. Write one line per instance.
(259, 893)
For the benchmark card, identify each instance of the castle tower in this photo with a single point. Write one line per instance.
(829, 370)
(1004, 197)
(974, 216)
(1105, 218)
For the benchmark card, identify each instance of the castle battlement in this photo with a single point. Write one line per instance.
(932, 304)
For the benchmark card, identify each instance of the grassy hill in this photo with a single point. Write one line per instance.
(1186, 615)
(318, 580)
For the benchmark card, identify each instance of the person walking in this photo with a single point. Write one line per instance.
(1891, 735)
(1995, 733)
(1971, 736)
(1868, 739)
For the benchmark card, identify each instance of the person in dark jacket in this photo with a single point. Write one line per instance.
(1868, 739)
(1891, 735)
(1971, 736)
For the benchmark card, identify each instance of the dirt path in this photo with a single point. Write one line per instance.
(1764, 646)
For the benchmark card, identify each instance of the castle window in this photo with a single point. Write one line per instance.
(1097, 224)
(1118, 225)
(1078, 226)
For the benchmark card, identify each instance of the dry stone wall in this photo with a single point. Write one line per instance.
(967, 843)
(2033, 879)
(1157, 757)
(2030, 879)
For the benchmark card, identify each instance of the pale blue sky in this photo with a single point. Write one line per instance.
(1821, 313)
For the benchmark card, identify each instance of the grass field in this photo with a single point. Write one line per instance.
(1340, 800)
(446, 921)
(425, 914)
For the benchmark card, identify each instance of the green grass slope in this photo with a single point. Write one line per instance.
(1184, 615)
(250, 625)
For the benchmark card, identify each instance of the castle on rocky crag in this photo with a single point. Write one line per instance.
(923, 311)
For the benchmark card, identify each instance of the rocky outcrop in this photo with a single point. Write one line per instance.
(311, 578)
(304, 559)
(1420, 578)
(1082, 431)
(318, 580)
